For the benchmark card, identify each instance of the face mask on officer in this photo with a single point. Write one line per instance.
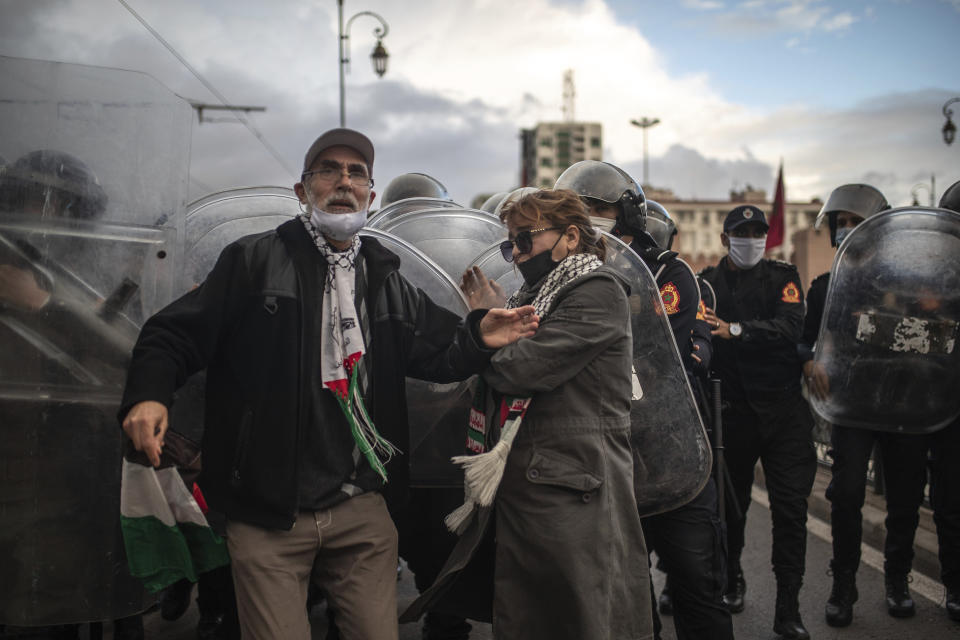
(604, 224)
(747, 252)
(841, 234)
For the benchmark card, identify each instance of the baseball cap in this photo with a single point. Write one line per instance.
(742, 215)
(340, 137)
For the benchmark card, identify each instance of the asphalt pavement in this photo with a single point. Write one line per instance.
(871, 620)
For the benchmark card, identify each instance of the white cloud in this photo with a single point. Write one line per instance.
(801, 17)
(703, 5)
(463, 80)
(839, 22)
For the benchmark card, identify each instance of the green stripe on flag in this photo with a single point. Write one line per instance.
(161, 555)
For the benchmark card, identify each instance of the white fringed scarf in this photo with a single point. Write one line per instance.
(341, 347)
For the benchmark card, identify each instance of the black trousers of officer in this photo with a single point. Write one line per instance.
(945, 500)
(690, 543)
(905, 474)
(777, 432)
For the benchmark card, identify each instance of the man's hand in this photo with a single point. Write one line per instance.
(721, 328)
(481, 292)
(501, 327)
(818, 383)
(146, 424)
(19, 287)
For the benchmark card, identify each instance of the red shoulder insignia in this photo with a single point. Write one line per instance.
(671, 298)
(791, 293)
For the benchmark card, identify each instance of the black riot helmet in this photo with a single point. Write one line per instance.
(413, 185)
(859, 199)
(951, 197)
(53, 183)
(609, 183)
(660, 225)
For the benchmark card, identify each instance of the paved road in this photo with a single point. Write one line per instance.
(755, 623)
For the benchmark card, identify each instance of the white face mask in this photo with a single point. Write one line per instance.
(604, 224)
(338, 226)
(747, 252)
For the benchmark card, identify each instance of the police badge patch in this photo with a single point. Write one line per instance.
(791, 293)
(671, 298)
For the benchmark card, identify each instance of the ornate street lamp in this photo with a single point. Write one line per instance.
(645, 123)
(379, 55)
(949, 129)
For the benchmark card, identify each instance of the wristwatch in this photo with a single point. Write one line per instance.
(736, 330)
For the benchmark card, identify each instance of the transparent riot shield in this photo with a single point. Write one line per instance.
(672, 457)
(91, 205)
(888, 340)
(400, 207)
(449, 237)
(438, 413)
(216, 220)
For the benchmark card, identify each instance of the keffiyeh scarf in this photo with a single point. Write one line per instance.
(483, 471)
(341, 347)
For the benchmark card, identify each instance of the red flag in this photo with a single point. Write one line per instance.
(775, 234)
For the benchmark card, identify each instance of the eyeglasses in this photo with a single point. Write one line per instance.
(330, 174)
(524, 242)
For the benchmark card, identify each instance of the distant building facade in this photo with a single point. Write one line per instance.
(550, 147)
(700, 223)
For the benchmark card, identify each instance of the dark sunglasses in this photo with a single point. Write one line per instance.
(524, 242)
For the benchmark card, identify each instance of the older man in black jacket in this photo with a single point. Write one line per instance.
(307, 335)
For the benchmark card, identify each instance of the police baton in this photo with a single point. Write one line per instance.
(721, 475)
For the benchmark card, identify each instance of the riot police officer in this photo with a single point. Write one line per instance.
(413, 185)
(903, 456)
(945, 481)
(757, 322)
(686, 538)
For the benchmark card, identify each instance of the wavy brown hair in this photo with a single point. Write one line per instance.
(559, 208)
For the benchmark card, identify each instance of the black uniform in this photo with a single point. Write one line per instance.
(904, 469)
(688, 540)
(765, 416)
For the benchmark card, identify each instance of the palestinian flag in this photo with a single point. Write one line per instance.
(165, 531)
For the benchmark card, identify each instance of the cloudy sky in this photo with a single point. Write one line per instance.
(841, 91)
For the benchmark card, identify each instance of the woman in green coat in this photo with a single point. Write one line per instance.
(561, 543)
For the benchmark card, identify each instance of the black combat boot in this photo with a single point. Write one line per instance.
(899, 602)
(786, 620)
(953, 604)
(839, 609)
(665, 603)
(736, 589)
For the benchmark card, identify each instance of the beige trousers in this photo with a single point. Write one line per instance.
(351, 552)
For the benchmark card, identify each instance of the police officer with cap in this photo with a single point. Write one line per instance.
(685, 539)
(757, 323)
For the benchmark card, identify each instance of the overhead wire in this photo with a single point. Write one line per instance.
(243, 119)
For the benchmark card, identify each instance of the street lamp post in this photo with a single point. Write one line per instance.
(645, 123)
(949, 129)
(379, 55)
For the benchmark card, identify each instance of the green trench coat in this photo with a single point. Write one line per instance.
(569, 559)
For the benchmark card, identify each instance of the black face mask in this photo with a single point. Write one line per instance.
(537, 267)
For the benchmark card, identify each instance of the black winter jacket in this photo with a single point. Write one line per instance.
(254, 325)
